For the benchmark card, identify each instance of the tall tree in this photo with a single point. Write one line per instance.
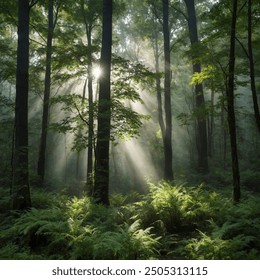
(252, 66)
(90, 15)
(20, 191)
(158, 79)
(202, 142)
(101, 187)
(167, 137)
(231, 108)
(47, 91)
(160, 23)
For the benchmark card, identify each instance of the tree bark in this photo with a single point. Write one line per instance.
(20, 191)
(158, 83)
(46, 99)
(158, 87)
(91, 115)
(231, 108)
(211, 127)
(252, 66)
(101, 187)
(90, 168)
(202, 141)
(168, 169)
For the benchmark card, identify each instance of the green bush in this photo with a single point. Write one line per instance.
(98, 232)
(208, 247)
(236, 238)
(181, 208)
(127, 242)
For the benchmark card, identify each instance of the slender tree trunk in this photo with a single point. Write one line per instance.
(202, 141)
(158, 88)
(90, 167)
(91, 115)
(211, 127)
(47, 90)
(168, 169)
(158, 82)
(223, 140)
(252, 66)
(231, 108)
(79, 134)
(101, 188)
(159, 97)
(20, 191)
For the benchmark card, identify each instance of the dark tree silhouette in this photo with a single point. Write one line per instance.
(47, 90)
(20, 191)
(167, 137)
(252, 66)
(101, 186)
(231, 108)
(202, 142)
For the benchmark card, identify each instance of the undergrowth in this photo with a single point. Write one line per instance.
(170, 222)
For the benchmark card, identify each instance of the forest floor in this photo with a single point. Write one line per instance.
(169, 222)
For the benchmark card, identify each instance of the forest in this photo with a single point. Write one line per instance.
(130, 130)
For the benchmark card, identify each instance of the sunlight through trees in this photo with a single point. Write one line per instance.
(135, 122)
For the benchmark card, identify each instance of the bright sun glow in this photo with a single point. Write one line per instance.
(96, 72)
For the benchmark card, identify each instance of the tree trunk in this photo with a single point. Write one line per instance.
(158, 82)
(202, 141)
(211, 127)
(101, 188)
(252, 66)
(231, 109)
(91, 114)
(224, 135)
(168, 169)
(159, 97)
(47, 89)
(89, 27)
(20, 191)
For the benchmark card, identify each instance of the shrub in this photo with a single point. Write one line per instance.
(180, 208)
(127, 242)
(235, 238)
(207, 247)
(99, 232)
(39, 231)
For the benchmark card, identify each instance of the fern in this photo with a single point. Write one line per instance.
(181, 208)
(40, 231)
(169, 222)
(211, 248)
(128, 242)
(14, 252)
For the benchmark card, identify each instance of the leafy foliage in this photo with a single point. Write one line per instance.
(79, 229)
(169, 222)
(180, 208)
(235, 237)
(126, 122)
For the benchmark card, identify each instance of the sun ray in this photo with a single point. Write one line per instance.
(97, 72)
